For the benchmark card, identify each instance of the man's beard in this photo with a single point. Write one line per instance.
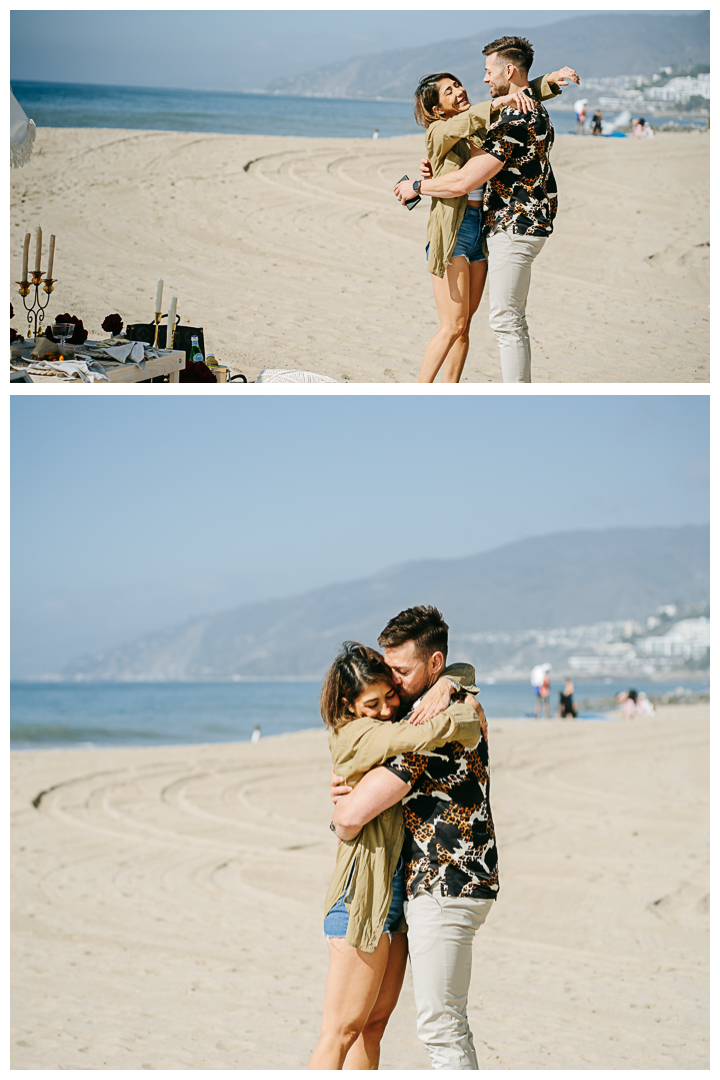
(409, 697)
(497, 90)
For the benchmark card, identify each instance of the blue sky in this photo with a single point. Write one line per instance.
(133, 513)
(225, 50)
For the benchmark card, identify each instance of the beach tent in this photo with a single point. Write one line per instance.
(621, 120)
(22, 134)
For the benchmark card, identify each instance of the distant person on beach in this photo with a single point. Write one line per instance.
(376, 133)
(256, 732)
(543, 697)
(597, 123)
(512, 171)
(567, 705)
(364, 924)
(627, 700)
(580, 116)
(450, 853)
(641, 129)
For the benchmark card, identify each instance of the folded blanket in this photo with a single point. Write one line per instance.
(128, 352)
(281, 375)
(68, 369)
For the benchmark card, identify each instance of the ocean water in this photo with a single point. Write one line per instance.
(70, 105)
(84, 105)
(161, 714)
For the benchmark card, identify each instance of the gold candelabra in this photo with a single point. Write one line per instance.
(170, 335)
(36, 309)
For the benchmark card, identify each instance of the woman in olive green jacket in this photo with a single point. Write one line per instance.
(455, 255)
(364, 923)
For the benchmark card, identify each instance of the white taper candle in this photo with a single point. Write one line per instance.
(38, 248)
(26, 253)
(171, 322)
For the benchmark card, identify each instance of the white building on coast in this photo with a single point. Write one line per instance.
(680, 89)
(688, 638)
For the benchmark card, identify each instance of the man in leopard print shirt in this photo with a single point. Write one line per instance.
(450, 851)
(519, 202)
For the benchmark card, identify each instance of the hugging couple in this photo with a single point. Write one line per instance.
(493, 202)
(416, 869)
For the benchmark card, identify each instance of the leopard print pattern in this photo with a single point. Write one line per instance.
(522, 197)
(449, 831)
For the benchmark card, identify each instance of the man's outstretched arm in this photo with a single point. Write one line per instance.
(377, 790)
(477, 171)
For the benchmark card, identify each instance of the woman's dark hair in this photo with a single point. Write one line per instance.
(356, 668)
(427, 97)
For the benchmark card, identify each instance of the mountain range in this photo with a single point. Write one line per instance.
(609, 44)
(561, 580)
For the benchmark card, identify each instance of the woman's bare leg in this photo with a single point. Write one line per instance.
(452, 300)
(455, 359)
(365, 1052)
(352, 986)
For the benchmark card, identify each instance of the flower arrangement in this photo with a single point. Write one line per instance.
(113, 324)
(197, 372)
(80, 333)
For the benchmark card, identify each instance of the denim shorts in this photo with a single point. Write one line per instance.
(469, 240)
(337, 918)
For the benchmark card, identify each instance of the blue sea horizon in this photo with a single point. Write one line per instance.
(45, 715)
(229, 112)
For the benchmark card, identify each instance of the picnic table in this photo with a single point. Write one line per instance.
(169, 362)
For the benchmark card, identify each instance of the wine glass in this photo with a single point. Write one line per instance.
(62, 331)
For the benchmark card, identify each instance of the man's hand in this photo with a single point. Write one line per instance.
(433, 701)
(563, 76)
(470, 700)
(404, 191)
(338, 788)
(426, 172)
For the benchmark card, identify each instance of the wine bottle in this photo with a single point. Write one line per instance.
(195, 355)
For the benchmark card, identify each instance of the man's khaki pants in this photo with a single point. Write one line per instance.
(510, 259)
(440, 937)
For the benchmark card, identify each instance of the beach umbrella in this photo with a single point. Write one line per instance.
(580, 104)
(22, 134)
(538, 673)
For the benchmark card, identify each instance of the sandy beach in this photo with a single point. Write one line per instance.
(167, 903)
(293, 253)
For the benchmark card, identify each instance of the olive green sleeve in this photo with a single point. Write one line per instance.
(464, 674)
(443, 134)
(544, 89)
(383, 740)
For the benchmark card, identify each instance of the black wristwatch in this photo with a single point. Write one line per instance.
(416, 187)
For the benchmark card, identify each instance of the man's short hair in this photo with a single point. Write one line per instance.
(512, 50)
(424, 626)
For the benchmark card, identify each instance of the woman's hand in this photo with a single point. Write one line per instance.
(434, 701)
(338, 788)
(426, 172)
(519, 101)
(563, 76)
(470, 700)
